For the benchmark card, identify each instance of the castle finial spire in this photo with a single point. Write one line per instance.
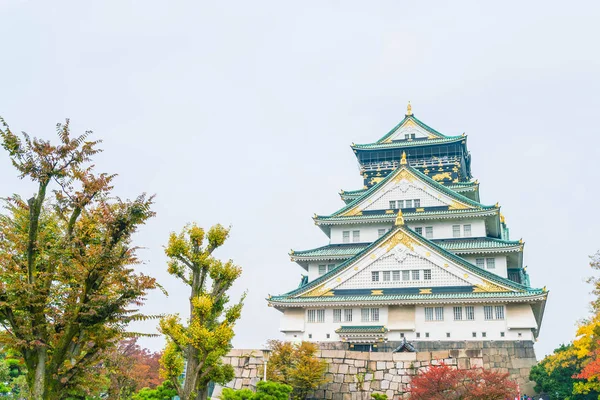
(399, 218)
(409, 109)
(403, 159)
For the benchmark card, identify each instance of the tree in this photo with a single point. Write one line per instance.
(164, 391)
(439, 382)
(207, 336)
(265, 390)
(131, 368)
(67, 288)
(556, 375)
(296, 365)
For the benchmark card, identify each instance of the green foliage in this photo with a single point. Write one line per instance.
(379, 396)
(297, 366)
(165, 391)
(264, 391)
(68, 287)
(206, 338)
(555, 375)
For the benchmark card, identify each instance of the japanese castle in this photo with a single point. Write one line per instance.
(412, 256)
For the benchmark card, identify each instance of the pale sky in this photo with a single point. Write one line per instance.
(242, 113)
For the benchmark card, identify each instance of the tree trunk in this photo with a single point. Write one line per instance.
(202, 394)
(39, 381)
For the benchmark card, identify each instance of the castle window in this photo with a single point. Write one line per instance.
(483, 334)
(392, 204)
(429, 232)
(458, 313)
(467, 230)
(501, 334)
(426, 334)
(470, 313)
(375, 314)
(330, 267)
(375, 276)
(419, 230)
(519, 334)
(356, 236)
(491, 263)
(364, 314)
(337, 315)
(499, 312)
(321, 316)
(418, 334)
(428, 313)
(439, 313)
(480, 262)
(386, 276)
(488, 313)
(346, 236)
(312, 315)
(380, 232)
(348, 315)
(328, 336)
(400, 203)
(405, 275)
(408, 203)
(396, 275)
(416, 275)
(310, 335)
(322, 269)
(427, 274)
(417, 202)
(401, 334)
(447, 334)
(474, 334)
(455, 231)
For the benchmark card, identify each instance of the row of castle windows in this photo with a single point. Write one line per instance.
(405, 203)
(387, 276)
(490, 313)
(366, 315)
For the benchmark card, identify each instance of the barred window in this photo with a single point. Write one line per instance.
(405, 275)
(439, 313)
(499, 312)
(455, 231)
(417, 203)
(458, 314)
(467, 230)
(346, 236)
(419, 230)
(320, 315)
(428, 313)
(429, 232)
(488, 313)
(416, 274)
(470, 313)
(392, 204)
(348, 315)
(365, 314)
(380, 232)
(386, 276)
(480, 262)
(322, 269)
(312, 315)
(491, 263)
(375, 276)
(427, 274)
(337, 315)
(408, 203)
(400, 203)
(375, 314)
(396, 275)
(330, 267)
(355, 236)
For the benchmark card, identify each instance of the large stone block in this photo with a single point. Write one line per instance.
(404, 356)
(381, 357)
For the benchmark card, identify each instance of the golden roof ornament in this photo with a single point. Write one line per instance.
(399, 218)
(403, 159)
(409, 109)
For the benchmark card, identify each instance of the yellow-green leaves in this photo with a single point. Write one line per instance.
(171, 362)
(217, 235)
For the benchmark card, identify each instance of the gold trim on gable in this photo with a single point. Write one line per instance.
(404, 174)
(489, 288)
(455, 205)
(399, 237)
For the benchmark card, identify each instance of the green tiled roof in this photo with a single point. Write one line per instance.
(464, 263)
(362, 329)
(393, 297)
(407, 143)
(347, 250)
(422, 176)
(416, 121)
(407, 215)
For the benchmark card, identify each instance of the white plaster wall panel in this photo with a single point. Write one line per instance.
(313, 268)
(440, 277)
(499, 263)
(401, 318)
(368, 232)
(292, 320)
(404, 191)
(520, 316)
(443, 230)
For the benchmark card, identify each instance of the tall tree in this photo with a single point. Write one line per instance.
(207, 336)
(67, 284)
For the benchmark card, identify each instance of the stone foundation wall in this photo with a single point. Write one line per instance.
(354, 375)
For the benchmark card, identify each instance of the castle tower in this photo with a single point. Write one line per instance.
(413, 255)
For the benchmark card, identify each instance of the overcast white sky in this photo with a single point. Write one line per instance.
(242, 113)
